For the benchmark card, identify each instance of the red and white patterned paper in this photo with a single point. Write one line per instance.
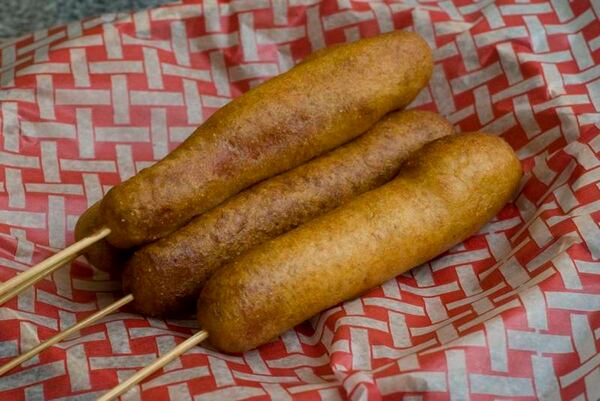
(512, 313)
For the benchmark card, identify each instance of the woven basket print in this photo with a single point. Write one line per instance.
(512, 313)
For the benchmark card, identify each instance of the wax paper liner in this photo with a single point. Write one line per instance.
(512, 313)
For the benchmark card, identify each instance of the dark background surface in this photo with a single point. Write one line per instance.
(19, 17)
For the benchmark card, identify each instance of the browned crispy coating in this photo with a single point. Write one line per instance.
(166, 276)
(442, 195)
(101, 254)
(314, 107)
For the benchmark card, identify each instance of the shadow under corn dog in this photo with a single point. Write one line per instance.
(101, 254)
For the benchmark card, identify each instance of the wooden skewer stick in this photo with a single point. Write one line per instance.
(58, 259)
(64, 334)
(154, 366)
(26, 284)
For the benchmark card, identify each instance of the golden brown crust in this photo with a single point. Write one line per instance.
(166, 276)
(274, 127)
(444, 194)
(102, 254)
